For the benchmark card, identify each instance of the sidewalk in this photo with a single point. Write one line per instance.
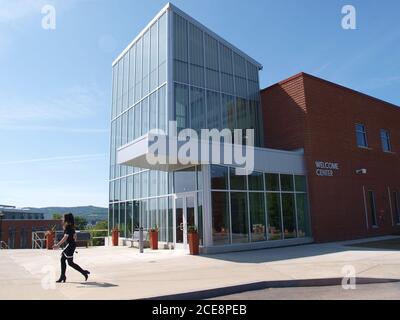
(124, 273)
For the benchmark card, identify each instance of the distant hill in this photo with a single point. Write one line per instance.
(98, 213)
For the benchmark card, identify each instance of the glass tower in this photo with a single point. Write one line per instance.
(176, 69)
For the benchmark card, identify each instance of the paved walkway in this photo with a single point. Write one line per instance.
(124, 273)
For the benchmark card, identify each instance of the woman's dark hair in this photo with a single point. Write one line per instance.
(69, 220)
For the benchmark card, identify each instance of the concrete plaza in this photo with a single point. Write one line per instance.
(124, 273)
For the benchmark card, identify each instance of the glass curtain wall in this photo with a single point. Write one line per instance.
(139, 103)
(214, 86)
(258, 207)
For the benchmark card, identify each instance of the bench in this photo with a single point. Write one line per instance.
(135, 239)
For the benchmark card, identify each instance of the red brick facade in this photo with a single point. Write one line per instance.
(12, 231)
(319, 116)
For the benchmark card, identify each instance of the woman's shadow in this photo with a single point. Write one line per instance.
(95, 284)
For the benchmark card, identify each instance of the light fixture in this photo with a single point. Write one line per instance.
(361, 171)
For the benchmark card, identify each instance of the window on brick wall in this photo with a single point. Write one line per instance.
(385, 138)
(361, 134)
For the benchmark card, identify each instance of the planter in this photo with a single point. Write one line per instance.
(50, 237)
(193, 239)
(153, 240)
(115, 237)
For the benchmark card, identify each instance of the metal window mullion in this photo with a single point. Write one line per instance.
(281, 205)
(266, 209)
(295, 206)
(189, 112)
(205, 79)
(234, 92)
(229, 206)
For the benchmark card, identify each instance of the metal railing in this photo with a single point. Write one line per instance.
(39, 237)
(3, 245)
(37, 241)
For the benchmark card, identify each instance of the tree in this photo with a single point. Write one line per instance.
(101, 225)
(80, 223)
(57, 216)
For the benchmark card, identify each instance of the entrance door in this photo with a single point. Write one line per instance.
(185, 216)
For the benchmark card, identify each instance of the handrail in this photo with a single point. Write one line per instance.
(39, 237)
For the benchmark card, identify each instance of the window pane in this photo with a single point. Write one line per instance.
(153, 111)
(274, 216)
(385, 138)
(138, 121)
(129, 226)
(237, 182)
(145, 116)
(180, 38)
(241, 113)
(122, 225)
(197, 109)
(123, 189)
(135, 214)
(287, 182)
(145, 184)
(132, 63)
(228, 112)
(153, 183)
(181, 106)
(146, 62)
(256, 181)
(170, 220)
(153, 56)
(136, 186)
(162, 218)
(162, 109)
(289, 218)
(303, 215)
(301, 184)
(239, 216)
(213, 110)
(116, 216)
(257, 217)
(220, 218)
(272, 181)
(138, 71)
(129, 190)
(185, 180)
(131, 126)
(219, 178)
(200, 216)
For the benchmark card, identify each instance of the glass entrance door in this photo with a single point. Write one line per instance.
(185, 216)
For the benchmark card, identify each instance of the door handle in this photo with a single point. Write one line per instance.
(181, 226)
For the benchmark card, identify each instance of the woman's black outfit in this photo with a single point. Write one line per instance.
(68, 255)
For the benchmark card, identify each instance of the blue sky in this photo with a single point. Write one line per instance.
(56, 85)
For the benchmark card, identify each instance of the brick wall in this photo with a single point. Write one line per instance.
(319, 116)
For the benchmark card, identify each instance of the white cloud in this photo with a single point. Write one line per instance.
(75, 103)
(74, 158)
(12, 10)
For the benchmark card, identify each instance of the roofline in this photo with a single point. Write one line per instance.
(158, 15)
(212, 33)
(170, 6)
(303, 74)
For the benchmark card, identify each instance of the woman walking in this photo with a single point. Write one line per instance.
(68, 252)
